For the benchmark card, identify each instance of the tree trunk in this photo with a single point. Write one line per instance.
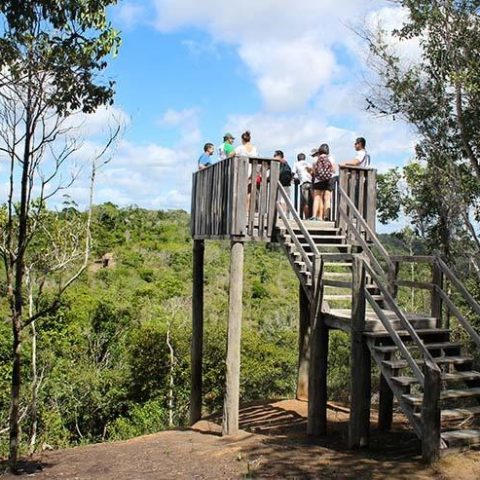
(15, 395)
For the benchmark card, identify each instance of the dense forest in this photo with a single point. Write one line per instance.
(113, 361)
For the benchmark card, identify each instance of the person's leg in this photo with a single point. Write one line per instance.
(306, 192)
(316, 201)
(327, 203)
(320, 205)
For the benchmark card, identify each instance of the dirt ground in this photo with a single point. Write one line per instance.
(272, 445)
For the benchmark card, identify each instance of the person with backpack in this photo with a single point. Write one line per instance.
(362, 158)
(322, 173)
(286, 176)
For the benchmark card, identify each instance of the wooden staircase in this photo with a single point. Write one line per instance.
(401, 344)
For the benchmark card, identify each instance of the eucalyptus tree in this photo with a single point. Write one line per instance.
(52, 57)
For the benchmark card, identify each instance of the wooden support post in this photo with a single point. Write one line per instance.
(317, 375)
(359, 426)
(197, 332)
(437, 281)
(385, 410)
(232, 394)
(303, 345)
(431, 414)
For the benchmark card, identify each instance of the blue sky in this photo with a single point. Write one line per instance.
(292, 71)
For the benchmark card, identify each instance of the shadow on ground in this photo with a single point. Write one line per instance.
(286, 451)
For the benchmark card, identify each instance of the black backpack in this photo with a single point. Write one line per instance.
(286, 174)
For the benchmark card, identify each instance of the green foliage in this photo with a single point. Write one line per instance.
(439, 95)
(104, 357)
(67, 40)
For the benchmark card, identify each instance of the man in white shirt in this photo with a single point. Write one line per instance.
(362, 158)
(302, 176)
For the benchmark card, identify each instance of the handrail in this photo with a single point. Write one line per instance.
(299, 222)
(466, 295)
(453, 278)
(302, 251)
(364, 224)
(396, 338)
(403, 320)
(466, 325)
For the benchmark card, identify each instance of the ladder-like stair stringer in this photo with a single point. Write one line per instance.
(460, 397)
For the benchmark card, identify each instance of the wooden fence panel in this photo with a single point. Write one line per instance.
(227, 202)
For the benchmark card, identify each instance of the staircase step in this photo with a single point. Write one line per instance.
(403, 333)
(327, 236)
(444, 395)
(461, 438)
(313, 224)
(337, 297)
(456, 360)
(406, 381)
(337, 264)
(348, 297)
(457, 414)
(338, 274)
(429, 346)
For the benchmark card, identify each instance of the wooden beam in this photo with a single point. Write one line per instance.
(303, 344)
(360, 364)
(436, 302)
(431, 415)
(385, 410)
(197, 332)
(317, 375)
(232, 394)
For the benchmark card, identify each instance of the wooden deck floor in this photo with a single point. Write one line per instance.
(340, 319)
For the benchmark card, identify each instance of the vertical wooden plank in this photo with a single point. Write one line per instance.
(343, 183)
(436, 299)
(233, 200)
(359, 425)
(253, 198)
(262, 201)
(361, 192)
(232, 394)
(317, 379)
(242, 189)
(193, 205)
(272, 201)
(303, 344)
(392, 278)
(431, 414)
(372, 199)
(197, 332)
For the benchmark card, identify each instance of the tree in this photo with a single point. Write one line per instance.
(439, 95)
(51, 58)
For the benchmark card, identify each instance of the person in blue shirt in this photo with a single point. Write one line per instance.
(205, 159)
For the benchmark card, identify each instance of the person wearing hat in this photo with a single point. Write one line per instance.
(227, 149)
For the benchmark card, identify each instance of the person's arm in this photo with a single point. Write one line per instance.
(351, 163)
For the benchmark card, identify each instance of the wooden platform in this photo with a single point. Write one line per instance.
(340, 319)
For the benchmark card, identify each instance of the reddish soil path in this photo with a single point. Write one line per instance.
(273, 445)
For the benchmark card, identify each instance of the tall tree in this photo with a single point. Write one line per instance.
(52, 54)
(440, 96)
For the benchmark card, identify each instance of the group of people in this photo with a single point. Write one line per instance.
(316, 178)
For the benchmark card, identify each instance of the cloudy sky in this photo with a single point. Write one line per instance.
(291, 71)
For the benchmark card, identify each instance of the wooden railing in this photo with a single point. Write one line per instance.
(440, 273)
(357, 200)
(235, 198)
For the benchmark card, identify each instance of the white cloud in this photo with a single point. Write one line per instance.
(129, 14)
(288, 46)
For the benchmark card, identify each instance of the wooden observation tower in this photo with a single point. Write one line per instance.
(347, 281)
